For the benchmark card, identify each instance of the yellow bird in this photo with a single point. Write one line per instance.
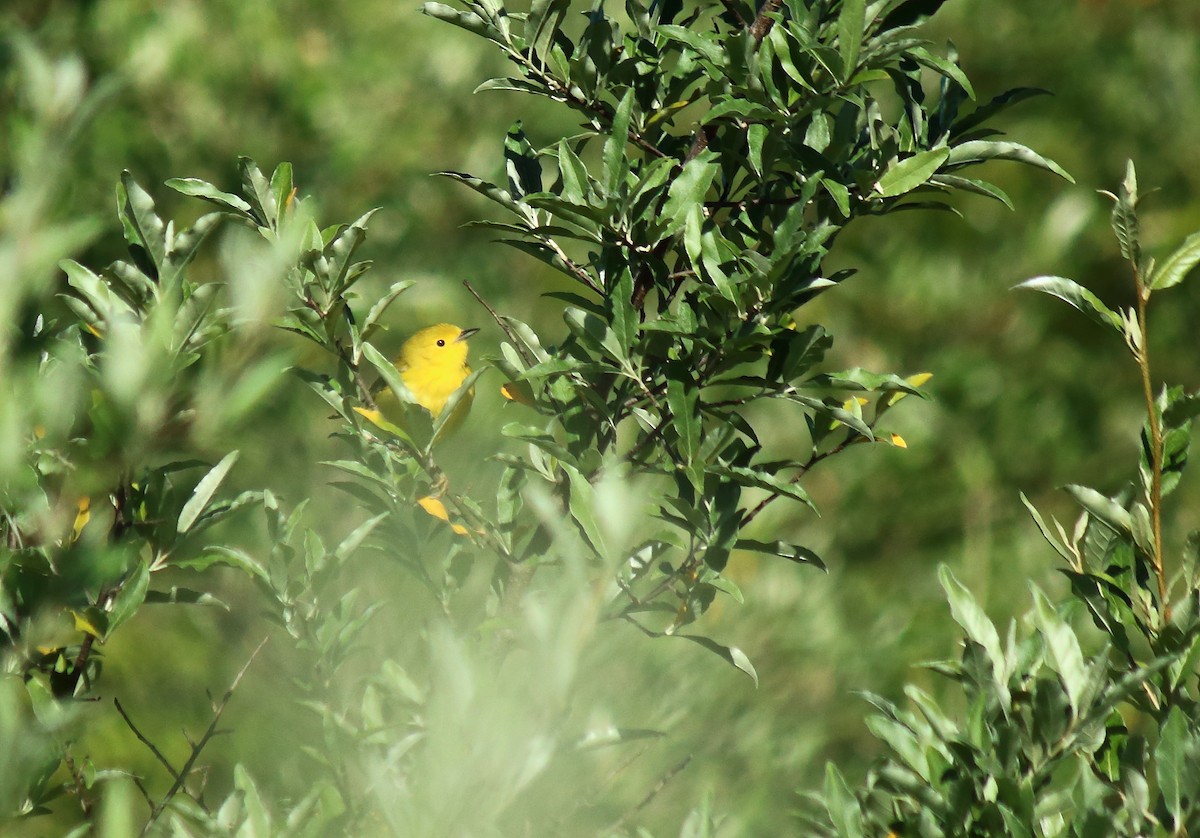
(433, 364)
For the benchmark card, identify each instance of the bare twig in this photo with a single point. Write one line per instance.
(653, 793)
(218, 710)
(141, 737)
(504, 327)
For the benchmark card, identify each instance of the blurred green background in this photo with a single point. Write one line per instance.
(367, 98)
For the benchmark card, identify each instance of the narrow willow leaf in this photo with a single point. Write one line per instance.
(792, 552)
(906, 175)
(977, 151)
(730, 654)
(466, 20)
(381, 305)
(1173, 757)
(852, 22)
(615, 164)
(205, 489)
(1176, 267)
(975, 623)
(1124, 217)
(1102, 508)
(143, 228)
(204, 190)
(1063, 648)
(388, 372)
(583, 509)
(1045, 531)
(131, 596)
(688, 189)
(842, 806)
(979, 187)
(1077, 296)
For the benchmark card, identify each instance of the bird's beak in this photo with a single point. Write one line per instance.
(466, 333)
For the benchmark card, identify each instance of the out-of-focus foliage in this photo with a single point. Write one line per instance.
(346, 93)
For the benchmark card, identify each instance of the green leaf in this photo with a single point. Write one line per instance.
(688, 189)
(979, 628)
(466, 20)
(1106, 510)
(229, 556)
(1077, 296)
(381, 305)
(1174, 759)
(1045, 531)
(978, 151)
(623, 316)
(730, 654)
(682, 398)
(258, 192)
(906, 175)
(704, 45)
(1176, 267)
(851, 25)
(204, 190)
(524, 170)
(840, 802)
(749, 476)
(1063, 648)
(791, 552)
(204, 491)
(281, 185)
(614, 147)
(1124, 217)
(388, 372)
(143, 228)
(183, 596)
(583, 509)
(131, 596)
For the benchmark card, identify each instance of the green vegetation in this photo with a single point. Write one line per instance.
(207, 528)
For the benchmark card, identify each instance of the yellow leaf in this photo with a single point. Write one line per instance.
(93, 330)
(39, 431)
(916, 380)
(434, 507)
(84, 623)
(517, 391)
(459, 528)
(898, 441)
(82, 516)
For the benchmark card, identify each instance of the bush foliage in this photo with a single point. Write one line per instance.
(195, 425)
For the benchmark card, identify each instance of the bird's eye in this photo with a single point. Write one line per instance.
(441, 342)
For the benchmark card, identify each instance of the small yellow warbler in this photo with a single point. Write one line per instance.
(433, 364)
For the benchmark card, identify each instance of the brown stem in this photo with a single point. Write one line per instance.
(763, 23)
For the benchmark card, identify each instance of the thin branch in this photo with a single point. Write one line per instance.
(851, 438)
(504, 327)
(1154, 420)
(653, 793)
(735, 12)
(763, 23)
(218, 710)
(157, 753)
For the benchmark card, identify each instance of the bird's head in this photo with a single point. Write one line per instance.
(443, 345)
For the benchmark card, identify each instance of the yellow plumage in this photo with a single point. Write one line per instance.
(433, 364)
